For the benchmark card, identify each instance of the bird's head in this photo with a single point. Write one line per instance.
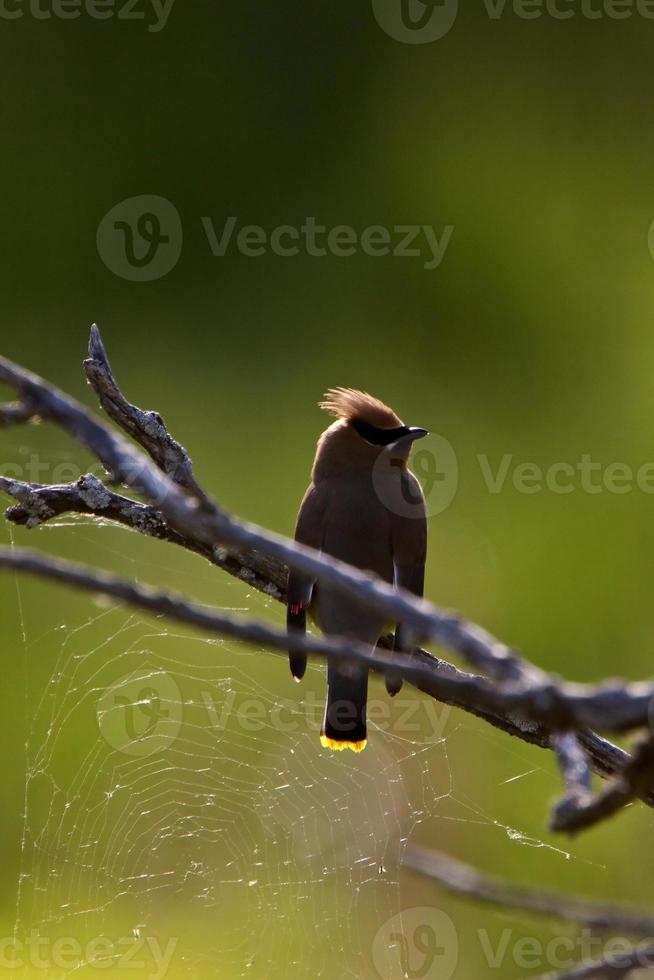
(365, 428)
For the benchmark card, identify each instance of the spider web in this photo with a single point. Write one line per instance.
(180, 810)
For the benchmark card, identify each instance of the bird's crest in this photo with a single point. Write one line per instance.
(358, 406)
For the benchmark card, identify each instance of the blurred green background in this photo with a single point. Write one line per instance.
(533, 337)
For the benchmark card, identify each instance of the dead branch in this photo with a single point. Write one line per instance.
(38, 503)
(586, 701)
(575, 768)
(516, 696)
(428, 675)
(463, 879)
(634, 777)
(15, 413)
(147, 428)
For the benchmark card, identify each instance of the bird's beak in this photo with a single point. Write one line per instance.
(417, 433)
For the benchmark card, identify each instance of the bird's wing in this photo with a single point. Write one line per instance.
(409, 541)
(309, 531)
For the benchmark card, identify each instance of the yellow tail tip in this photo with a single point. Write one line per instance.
(338, 746)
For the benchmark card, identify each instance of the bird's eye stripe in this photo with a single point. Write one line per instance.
(377, 436)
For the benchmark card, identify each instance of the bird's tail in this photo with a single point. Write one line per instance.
(344, 723)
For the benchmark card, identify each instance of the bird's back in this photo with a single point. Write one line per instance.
(356, 530)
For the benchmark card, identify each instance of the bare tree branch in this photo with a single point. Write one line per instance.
(146, 428)
(463, 879)
(39, 503)
(15, 413)
(625, 706)
(430, 676)
(175, 607)
(635, 778)
(518, 698)
(573, 762)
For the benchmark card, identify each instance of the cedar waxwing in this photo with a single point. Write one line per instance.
(365, 507)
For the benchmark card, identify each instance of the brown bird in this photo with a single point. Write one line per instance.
(365, 507)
